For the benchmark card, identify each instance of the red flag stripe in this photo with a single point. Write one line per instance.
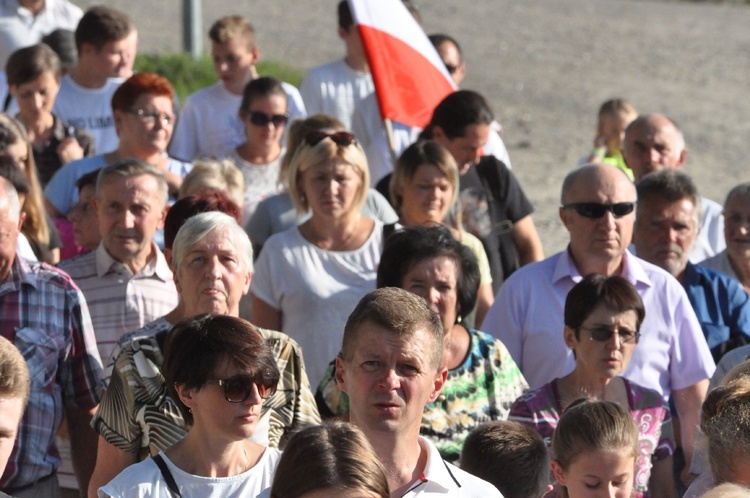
(409, 86)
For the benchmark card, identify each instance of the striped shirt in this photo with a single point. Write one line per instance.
(120, 301)
(137, 414)
(45, 315)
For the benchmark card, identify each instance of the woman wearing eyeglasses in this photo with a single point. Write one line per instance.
(220, 369)
(144, 120)
(310, 277)
(603, 316)
(264, 113)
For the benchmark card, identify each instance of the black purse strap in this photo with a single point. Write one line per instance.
(167, 475)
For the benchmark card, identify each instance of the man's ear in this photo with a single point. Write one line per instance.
(683, 159)
(340, 370)
(163, 217)
(564, 217)
(437, 387)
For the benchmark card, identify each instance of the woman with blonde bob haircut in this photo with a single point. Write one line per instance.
(594, 450)
(333, 460)
(309, 277)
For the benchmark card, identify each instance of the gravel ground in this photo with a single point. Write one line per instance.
(546, 66)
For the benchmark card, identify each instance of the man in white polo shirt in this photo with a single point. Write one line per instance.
(126, 281)
(390, 365)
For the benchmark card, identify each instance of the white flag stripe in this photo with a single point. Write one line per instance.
(392, 17)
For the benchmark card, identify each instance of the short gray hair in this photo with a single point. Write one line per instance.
(670, 185)
(129, 167)
(9, 192)
(198, 227)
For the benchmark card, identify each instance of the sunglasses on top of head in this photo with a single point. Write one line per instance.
(595, 210)
(340, 138)
(238, 388)
(262, 119)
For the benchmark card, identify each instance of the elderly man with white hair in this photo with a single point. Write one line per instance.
(212, 262)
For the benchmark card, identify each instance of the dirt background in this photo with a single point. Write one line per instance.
(545, 66)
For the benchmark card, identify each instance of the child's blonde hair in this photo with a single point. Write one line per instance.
(615, 108)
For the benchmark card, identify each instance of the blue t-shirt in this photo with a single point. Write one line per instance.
(721, 306)
(61, 189)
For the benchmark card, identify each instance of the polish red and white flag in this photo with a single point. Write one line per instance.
(410, 78)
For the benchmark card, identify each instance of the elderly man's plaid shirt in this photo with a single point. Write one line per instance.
(45, 315)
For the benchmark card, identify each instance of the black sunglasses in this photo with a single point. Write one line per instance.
(262, 119)
(238, 388)
(596, 210)
(602, 334)
(341, 138)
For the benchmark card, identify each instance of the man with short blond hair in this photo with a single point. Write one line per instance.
(391, 366)
(210, 123)
(126, 280)
(107, 41)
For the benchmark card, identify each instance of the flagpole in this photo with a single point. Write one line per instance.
(389, 135)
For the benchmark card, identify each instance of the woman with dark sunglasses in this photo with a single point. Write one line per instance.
(310, 277)
(220, 369)
(603, 316)
(263, 112)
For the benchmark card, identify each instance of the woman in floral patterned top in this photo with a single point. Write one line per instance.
(483, 380)
(603, 316)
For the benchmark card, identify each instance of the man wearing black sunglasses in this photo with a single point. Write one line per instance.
(597, 209)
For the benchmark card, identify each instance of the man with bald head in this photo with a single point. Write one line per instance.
(654, 142)
(598, 210)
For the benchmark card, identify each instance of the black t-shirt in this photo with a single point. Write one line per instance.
(492, 202)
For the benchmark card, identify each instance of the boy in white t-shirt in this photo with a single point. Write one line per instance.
(107, 41)
(338, 87)
(209, 124)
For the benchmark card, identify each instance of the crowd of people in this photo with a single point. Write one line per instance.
(252, 294)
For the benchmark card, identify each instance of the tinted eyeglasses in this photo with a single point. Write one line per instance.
(341, 138)
(262, 119)
(150, 118)
(602, 334)
(596, 210)
(238, 388)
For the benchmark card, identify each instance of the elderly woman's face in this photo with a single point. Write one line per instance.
(737, 227)
(435, 280)
(426, 197)
(212, 277)
(331, 188)
(148, 125)
(600, 352)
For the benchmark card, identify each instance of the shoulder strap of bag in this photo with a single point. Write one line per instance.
(167, 475)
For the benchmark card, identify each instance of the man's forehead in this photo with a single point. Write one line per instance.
(142, 185)
(601, 182)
